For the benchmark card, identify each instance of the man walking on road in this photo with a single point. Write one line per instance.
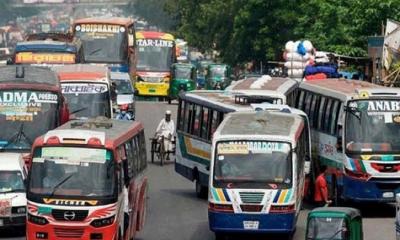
(321, 189)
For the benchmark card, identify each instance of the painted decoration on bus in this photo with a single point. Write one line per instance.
(83, 88)
(154, 43)
(23, 105)
(101, 28)
(51, 58)
(253, 147)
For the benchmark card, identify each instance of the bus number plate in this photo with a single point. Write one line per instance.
(152, 90)
(251, 225)
(388, 195)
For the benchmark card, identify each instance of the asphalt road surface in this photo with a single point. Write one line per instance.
(174, 212)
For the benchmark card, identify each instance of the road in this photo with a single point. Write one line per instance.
(174, 212)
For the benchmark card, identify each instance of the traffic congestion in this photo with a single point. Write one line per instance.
(192, 145)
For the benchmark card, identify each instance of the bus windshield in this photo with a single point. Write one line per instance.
(100, 47)
(72, 171)
(25, 115)
(11, 181)
(87, 100)
(253, 164)
(183, 73)
(154, 55)
(373, 126)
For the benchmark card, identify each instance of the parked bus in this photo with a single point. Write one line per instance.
(355, 128)
(199, 114)
(280, 90)
(108, 41)
(156, 53)
(45, 53)
(31, 104)
(87, 90)
(257, 173)
(87, 181)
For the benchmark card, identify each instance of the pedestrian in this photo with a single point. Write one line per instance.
(321, 189)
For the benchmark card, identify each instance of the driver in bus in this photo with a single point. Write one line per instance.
(51, 178)
(166, 129)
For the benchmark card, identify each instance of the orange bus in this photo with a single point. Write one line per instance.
(87, 181)
(108, 41)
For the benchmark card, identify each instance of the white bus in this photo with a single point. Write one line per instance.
(355, 132)
(199, 115)
(257, 172)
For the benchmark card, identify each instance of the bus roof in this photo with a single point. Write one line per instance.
(32, 46)
(272, 125)
(344, 89)
(110, 132)
(31, 75)
(264, 83)
(81, 72)
(154, 35)
(114, 20)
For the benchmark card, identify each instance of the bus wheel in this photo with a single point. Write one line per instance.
(201, 191)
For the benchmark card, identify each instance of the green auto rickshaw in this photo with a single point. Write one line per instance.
(218, 77)
(183, 78)
(334, 223)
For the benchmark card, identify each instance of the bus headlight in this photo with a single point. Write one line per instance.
(103, 222)
(357, 174)
(37, 220)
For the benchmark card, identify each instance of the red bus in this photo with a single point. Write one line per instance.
(87, 181)
(31, 103)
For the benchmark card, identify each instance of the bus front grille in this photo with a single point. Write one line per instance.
(251, 197)
(69, 215)
(69, 232)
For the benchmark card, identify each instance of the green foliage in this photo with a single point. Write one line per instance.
(243, 30)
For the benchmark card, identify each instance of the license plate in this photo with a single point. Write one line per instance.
(152, 90)
(251, 225)
(388, 195)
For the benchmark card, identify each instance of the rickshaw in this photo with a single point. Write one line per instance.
(218, 77)
(157, 149)
(183, 77)
(202, 72)
(334, 223)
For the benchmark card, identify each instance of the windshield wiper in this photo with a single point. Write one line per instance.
(18, 137)
(79, 110)
(336, 233)
(354, 112)
(95, 51)
(55, 188)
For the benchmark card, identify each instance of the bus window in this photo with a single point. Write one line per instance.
(188, 116)
(321, 113)
(205, 123)
(197, 120)
(300, 100)
(181, 115)
(313, 111)
(327, 115)
(335, 114)
(307, 105)
(143, 157)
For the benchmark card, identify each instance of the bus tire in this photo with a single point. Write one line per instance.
(201, 191)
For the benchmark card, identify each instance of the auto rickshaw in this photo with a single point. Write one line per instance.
(202, 72)
(218, 77)
(183, 78)
(334, 223)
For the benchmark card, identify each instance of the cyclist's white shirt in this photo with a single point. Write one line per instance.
(165, 128)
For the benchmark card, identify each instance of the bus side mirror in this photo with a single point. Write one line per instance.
(64, 114)
(307, 165)
(131, 40)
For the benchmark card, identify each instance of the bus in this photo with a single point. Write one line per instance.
(355, 128)
(107, 41)
(86, 89)
(280, 90)
(45, 53)
(87, 181)
(31, 103)
(199, 114)
(156, 53)
(257, 173)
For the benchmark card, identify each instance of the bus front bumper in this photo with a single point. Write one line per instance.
(373, 190)
(267, 223)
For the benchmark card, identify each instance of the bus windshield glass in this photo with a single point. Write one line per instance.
(154, 54)
(373, 126)
(25, 115)
(107, 46)
(183, 73)
(72, 171)
(87, 100)
(11, 181)
(253, 164)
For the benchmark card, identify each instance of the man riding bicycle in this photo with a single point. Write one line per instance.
(165, 130)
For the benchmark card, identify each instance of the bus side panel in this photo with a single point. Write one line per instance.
(191, 158)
